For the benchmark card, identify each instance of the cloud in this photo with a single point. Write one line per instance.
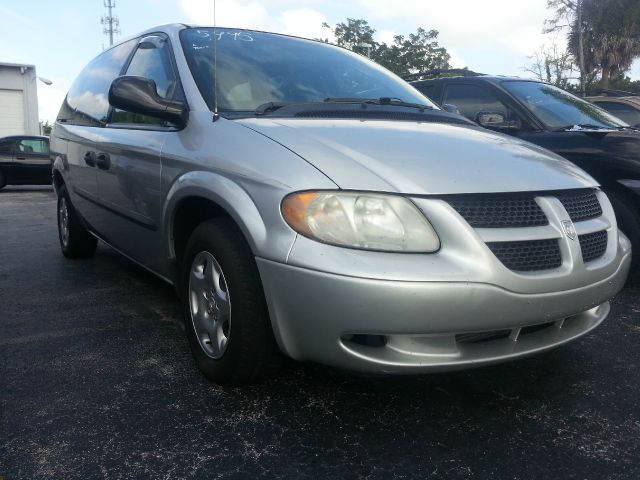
(266, 15)
(229, 13)
(302, 22)
(497, 27)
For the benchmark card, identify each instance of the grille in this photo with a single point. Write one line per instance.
(581, 204)
(499, 211)
(528, 256)
(593, 245)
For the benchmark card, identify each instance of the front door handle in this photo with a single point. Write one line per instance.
(90, 159)
(103, 162)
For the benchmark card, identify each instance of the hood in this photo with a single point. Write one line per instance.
(420, 158)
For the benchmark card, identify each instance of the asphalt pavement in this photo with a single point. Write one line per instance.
(96, 381)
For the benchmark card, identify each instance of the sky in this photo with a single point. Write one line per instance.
(59, 38)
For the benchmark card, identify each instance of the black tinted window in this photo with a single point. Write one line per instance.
(624, 112)
(472, 99)
(152, 60)
(5, 146)
(87, 102)
(428, 90)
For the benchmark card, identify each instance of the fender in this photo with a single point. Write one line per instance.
(232, 198)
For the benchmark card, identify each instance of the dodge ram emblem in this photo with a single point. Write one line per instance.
(569, 229)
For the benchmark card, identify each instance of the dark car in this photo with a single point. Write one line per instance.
(24, 160)
(626, 107)
(600, 143)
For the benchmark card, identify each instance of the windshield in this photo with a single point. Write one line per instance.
(254, 68)
(559, 109)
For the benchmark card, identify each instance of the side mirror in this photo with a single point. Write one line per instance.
(449, 107)
(140, 95)
(496, 120)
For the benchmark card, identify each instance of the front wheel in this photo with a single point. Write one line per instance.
(3, 180)
(225, 312)
(75, 239)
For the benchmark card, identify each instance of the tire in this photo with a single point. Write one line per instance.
(3, 180)
(225, 312)
(629, 223)
(75, 239)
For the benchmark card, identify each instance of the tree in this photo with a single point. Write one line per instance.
(553, 64)
(45, 127)
(353, 33)
(416, 52)
(604, 35)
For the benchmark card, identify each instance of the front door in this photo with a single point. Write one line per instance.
(128, 165)
(32, 165)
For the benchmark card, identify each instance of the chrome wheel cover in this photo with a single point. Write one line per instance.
(209, 305)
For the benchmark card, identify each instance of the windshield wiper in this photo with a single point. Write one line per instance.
(379, 101)
(577, 127)
(269, 107)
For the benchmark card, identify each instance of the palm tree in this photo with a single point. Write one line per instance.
(610, 53)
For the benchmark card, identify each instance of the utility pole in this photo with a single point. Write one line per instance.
(110, 21)
(580, 45)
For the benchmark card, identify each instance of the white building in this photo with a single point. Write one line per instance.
(18, 100)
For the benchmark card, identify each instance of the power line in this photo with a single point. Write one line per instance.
(110, 21)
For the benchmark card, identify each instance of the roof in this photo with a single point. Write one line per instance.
(16, 65)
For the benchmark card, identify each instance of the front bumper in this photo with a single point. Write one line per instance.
(427, 325)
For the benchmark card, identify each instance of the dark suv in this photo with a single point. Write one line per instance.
(548, 116)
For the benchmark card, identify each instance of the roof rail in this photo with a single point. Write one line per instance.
(458, 72)
(615, 93)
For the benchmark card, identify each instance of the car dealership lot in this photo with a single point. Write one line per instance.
(96, 381)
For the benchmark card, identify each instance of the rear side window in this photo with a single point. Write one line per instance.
(87, 101)
(624, 112)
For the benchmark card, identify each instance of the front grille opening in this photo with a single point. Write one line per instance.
(499, 210)
(479, 337)
(366, 340)
(580, 204)
(593, 245)
(490, 336)
(535, 328)
(528, 256)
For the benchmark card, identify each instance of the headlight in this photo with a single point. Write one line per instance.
(360, 220)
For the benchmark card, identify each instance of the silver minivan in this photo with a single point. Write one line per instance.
(305, 202)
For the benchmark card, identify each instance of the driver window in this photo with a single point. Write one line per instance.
(152, 60)
(471, 100)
